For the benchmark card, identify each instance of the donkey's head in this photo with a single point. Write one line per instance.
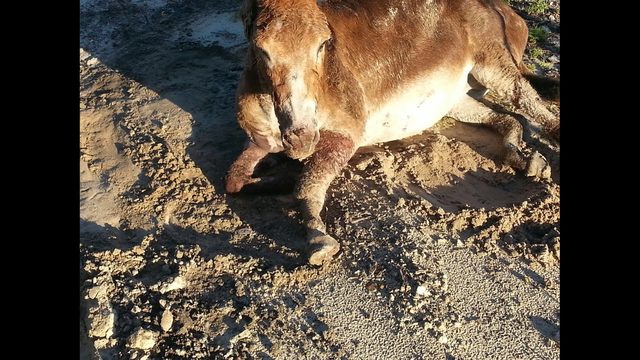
(289, 39)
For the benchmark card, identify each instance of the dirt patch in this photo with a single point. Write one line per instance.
(446, 252)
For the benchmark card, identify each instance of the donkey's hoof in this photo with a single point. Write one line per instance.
(323, 248)
(538, 166)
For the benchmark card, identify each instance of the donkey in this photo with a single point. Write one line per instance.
(323, 78)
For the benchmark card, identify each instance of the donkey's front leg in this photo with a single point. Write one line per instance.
(331, 154)
(241, 171)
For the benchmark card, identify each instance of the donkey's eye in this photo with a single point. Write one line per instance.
(321, 49)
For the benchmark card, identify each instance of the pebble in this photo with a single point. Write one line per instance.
(245, 231)
(177, 283)
(459, 224)
(143, 339)
(101, 321)
(167, 320)
(84, 55)
(92, 62)
(95, 292)
(101, 343)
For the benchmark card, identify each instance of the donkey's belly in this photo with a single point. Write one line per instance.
(415, 107)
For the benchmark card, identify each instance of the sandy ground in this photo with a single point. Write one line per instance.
(446, 253)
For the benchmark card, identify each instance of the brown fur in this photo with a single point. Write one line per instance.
(315, 71)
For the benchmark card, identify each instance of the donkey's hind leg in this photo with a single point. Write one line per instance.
(469, 110)
(496, 70)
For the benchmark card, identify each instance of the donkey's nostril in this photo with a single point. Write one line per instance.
(300, 132)
(291, 140)
(285, 140)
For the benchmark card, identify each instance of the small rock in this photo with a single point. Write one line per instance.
(92, 62)
(96, 292)
(459, 244)
(100, 320)
(480, 219)
(167, 320)
(401, 202)
(101, 343)
(163, 302)
(245, 231)
(443, 339)
(459, 224)
(364, 163)
(441, 242)
(537, 166)
(177, 283)
(84, 55)
(143, 339)
(421, 290)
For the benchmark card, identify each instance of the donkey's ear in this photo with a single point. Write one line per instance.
(248, 14)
